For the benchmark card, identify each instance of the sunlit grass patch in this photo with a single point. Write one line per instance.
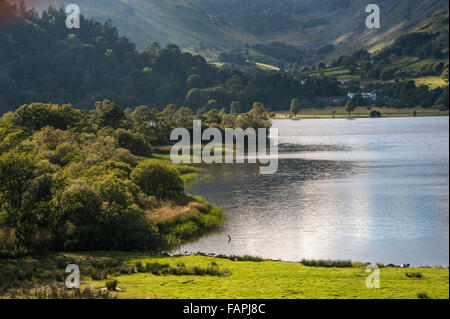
(199, 277)
(431, 81)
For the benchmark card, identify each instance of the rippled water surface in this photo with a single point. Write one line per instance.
(367, 190)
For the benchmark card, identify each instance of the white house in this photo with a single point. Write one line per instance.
(372, 96)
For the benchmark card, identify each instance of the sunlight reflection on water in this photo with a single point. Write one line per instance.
(367, 190)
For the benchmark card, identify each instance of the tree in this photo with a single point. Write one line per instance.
(350, 107)
(235, 107)
(17, 172)
(133, 142)
(17, 169)
(159, 180)
(295, 107)
(184, 117)
(108, 114)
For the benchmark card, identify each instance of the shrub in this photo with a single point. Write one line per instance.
(375, 113)
(155, 268)
(241, 258)
(158, 180)
(139, 267)
(414, 274)
(423, 295)
(97, 274)
(114, 190)
(134, 143)
(111, 285)
(327, 263)
(37, 115)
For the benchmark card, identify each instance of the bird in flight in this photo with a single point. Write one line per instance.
(229, 238)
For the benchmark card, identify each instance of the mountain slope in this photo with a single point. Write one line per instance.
(207, 27)
(164, 21)
(316, 23)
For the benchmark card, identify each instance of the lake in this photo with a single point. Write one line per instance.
(372, 190)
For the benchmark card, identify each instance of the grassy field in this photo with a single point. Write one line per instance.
(362, 112)
(431, 81)
(267, 66)
(234, 279)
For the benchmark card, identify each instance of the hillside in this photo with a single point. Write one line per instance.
(324, 28)
(164, 21)
(313, 24)
(421, 55)
(42, 60)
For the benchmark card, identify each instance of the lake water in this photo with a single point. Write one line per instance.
(374, 190)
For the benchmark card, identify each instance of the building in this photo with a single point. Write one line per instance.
(372, 96)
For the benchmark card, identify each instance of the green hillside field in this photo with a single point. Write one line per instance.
(235, 279)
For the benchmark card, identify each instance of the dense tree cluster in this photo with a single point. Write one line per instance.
(401, 94)
(42, 60)
(73, 180)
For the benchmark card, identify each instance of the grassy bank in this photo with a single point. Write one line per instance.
(147, 276)
(178, 224)
(363, 112)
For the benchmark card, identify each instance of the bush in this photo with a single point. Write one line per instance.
(135, 144)
(327, 263)
(423, 295)
(414, 274)
(181, 270)
(37, 115)
(111, 285)
(97, 274)
(241, 258)
(158, 180)
(375, 113)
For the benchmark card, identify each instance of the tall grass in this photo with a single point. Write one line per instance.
(241, 258)
(327, 263)
(159, 269)
(423, 295)
(196, 222)
(111, 285)
(9, 248)
(416, 274)
(58, 291)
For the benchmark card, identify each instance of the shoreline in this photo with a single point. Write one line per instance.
(362, 112)
(352, 117)
(250, 257)
(346, 117)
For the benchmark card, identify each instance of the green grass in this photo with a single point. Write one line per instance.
(271, 279)
(198, 220)
(209, 278)
(431, 81)
(334, 71)
(267, 66)
(421, 65)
